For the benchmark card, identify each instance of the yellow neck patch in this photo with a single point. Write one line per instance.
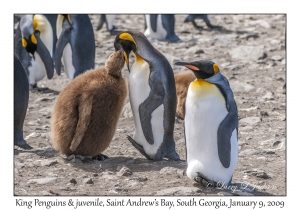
(216, 68)
(33, 39)
(24, 43)
(138, 58)
(200, 88)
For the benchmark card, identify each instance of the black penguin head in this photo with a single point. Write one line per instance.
(202, 69)
(124, 41)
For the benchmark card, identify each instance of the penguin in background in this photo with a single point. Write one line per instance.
(34, 44)
(109, 21)
(210, 125)
(21, 96)
(192, 18)
(152, 96)
(161, 27)
(75, 44)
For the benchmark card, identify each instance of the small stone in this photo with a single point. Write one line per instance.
(71, 157)
(124, 172)
(48, 162)
(269, 96)
(277, 57)
(46, 180)
(250, 120)
(19, 165)
(264, 114)
(276, 143)
(244, 52)
(73, 181)
(88, 181)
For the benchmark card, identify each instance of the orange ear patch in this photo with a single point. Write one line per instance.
(192, 67)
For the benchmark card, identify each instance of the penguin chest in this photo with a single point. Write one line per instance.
(205, 110)
(68, 61)
(37, 70)
(160, 32)
(139, 91)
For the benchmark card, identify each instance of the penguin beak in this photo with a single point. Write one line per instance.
(187, 65)
(126, 60)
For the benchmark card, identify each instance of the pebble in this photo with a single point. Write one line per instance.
(264, 114)
(181, 190)
(244, 52)
(73, 181)
(250, 120)
(241, 87)
(276, 143)
(125, 171)
(46, 180)
(277, 57)
(88, 181)
(269, 96)
(48, 162)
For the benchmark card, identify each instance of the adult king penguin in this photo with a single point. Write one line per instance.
(161, 26)
(76, 44)
(210, 124)
(35, 34)
(152, 96)
(21, 95)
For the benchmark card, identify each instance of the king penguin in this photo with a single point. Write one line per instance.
(109, 21)
(210, 125)
(152, 96)
(76, 44)
(161, 27)
(21, 95)
(34, 45)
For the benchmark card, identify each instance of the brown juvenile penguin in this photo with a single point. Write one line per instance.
(182, 82)
(86, 112)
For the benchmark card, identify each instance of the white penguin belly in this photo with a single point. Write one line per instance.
(160, 33)
(110, 21)
(37, 70)
(139, 90)
(68, 61)
(202, 119)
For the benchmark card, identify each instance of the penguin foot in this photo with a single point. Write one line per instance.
(138, 147)
(100, 157)
(23, 144)
(205, 181)
(173, 156)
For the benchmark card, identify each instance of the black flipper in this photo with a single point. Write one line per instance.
(225, 130)
(145, 110)
(45, 56)
(153, 22)
(138, 147)
(102, 20)
(63, 40)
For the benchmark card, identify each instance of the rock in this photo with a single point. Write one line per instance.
(46, 193)
(88, 181)
(46, 180)
(269, 96)
(194, 50)
(241, 87)
(276, 143)
(264, 114)
(127, 112)
(261, 23)
(168, 170)
(255, 152)
(277, 57)
(73, 181)
(19, 165)
(48, 162)
(124, 172)
(257, 173)
(244, 52)
(182, 191)
(250, 120)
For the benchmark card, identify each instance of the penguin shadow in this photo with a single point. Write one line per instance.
(220, 29)
(44, 90)
(115, 163)
(47, 153)
(234, 189)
